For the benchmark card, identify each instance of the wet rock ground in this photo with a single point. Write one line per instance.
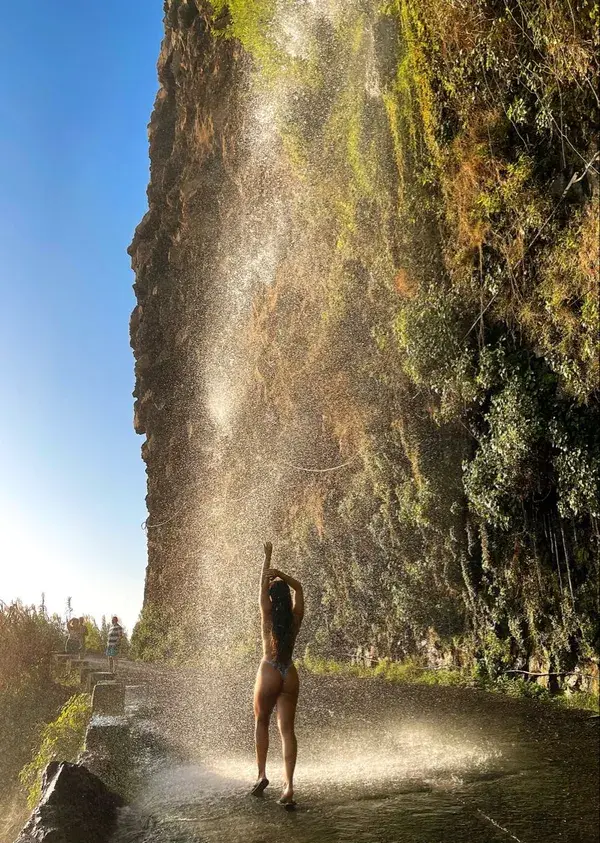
(377, 764)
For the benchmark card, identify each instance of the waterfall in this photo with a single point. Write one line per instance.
(294, 222)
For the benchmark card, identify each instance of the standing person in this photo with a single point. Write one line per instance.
(277, 678)
(73, 644)
(115, 634)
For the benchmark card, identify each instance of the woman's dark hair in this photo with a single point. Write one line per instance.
(282, 619)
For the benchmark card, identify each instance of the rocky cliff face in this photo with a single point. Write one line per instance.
(366, 327)
(193, 155)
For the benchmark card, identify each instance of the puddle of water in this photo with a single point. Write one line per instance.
(350, 783)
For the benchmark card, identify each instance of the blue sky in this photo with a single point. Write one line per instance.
(77, 83)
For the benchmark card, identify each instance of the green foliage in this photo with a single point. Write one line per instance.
(61, 740)
(504, 467)
(576, 444)
(409, 671)
(520, 688)
(502, 335)
(496, 655)
(29, 638)
(413, 673)
(430, 331)
(579, 699)
(95, 641)
(28, 693)
(251, 23)
(153, 638)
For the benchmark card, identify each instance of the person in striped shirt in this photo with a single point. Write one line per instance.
(115, 633)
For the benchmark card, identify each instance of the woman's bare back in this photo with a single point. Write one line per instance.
(269, 646)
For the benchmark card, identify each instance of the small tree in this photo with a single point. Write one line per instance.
(28, 641)
(124, 646)
(95, 641)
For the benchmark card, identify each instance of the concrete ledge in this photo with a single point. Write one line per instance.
(64, 662)
(107, 751)
(107, 735)
(98, 676)
(108, 697)
(139, 693)
(138, 702)
(84, 675)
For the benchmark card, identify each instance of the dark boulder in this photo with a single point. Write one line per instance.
(76, 807)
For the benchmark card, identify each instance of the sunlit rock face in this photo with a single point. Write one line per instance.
(324, 358)
(194, 154)
(267, 253)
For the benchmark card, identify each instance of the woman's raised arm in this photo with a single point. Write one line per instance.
(265, 578)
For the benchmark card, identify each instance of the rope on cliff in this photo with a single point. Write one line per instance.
(146, 526)
(497, 825)
(316, 470)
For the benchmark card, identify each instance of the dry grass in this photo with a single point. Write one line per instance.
(562, 317)
(404, 284)
(472, 171)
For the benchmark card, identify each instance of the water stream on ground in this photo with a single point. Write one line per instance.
(378, 764)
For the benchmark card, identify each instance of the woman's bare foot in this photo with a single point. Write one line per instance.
(261, 783)
(287, 797)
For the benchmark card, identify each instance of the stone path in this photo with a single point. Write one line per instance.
(120, 702)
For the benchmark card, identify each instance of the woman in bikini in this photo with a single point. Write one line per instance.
(277, 678)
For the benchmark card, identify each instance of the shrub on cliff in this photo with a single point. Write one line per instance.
(250, 23)
(150, 639)
(161, 636)
(29, 637)
(95, 641)
(503, 336)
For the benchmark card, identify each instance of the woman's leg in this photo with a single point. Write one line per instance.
(266, 689)
(286, 716)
